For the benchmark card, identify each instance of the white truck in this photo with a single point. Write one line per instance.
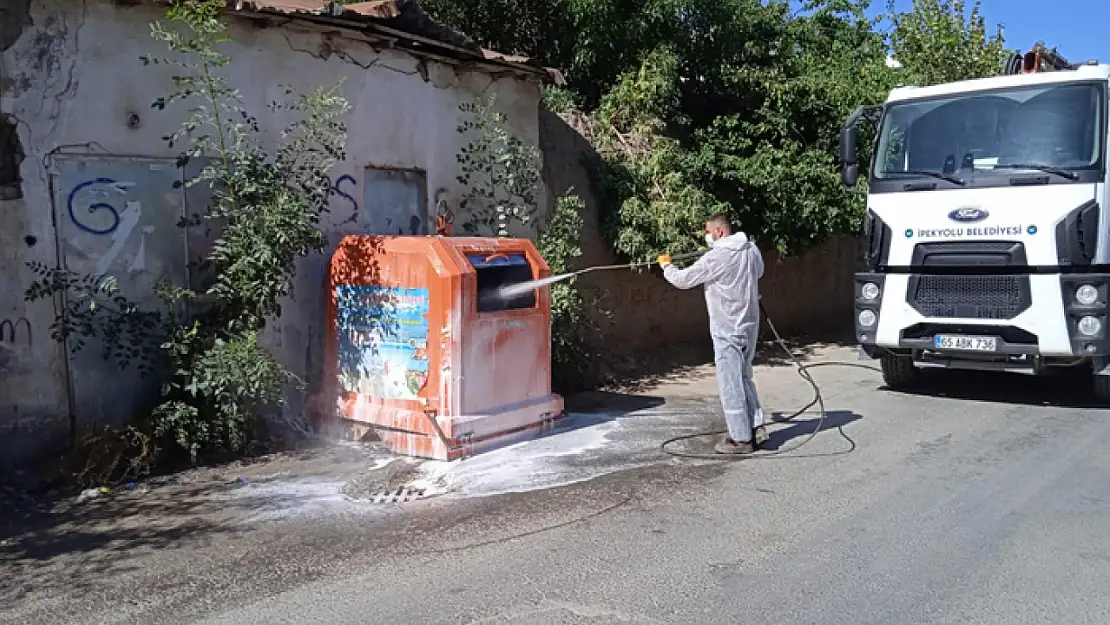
(987, 234)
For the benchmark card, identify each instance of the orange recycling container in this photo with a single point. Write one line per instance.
(425, 351)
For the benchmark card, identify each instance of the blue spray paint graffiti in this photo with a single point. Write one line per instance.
(94, 207)
(338, 190)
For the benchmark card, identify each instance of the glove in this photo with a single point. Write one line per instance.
(664, 260)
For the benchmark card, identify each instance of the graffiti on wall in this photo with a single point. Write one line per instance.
(393, 199)
(119, 216)
(97, 214)
(98, 208)
(93, 207)
(338, 189)
(10, 331)
(101, 216)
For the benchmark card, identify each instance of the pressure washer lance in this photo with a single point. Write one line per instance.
(802, 369)
(520, 288)
(636, 264)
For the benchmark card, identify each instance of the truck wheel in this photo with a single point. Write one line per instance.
(1102, 389)
(898, 371)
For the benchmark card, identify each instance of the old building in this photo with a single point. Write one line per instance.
(87, 180)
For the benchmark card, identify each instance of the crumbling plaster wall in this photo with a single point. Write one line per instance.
(71, 83)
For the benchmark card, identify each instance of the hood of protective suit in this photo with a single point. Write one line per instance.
(737, 241)
(730, 273)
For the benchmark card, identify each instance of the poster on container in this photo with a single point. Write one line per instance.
(383, 341)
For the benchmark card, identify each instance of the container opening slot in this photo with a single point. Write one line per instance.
(498, 271)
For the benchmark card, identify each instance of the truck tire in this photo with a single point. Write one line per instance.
(1102, 389)
(898, 371)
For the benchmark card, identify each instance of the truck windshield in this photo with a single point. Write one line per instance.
(1056, 129)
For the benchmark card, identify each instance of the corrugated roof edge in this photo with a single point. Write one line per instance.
(406, 23)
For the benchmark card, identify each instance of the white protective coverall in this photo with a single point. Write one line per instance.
(730, 272)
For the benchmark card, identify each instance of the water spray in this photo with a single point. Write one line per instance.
(520, 288)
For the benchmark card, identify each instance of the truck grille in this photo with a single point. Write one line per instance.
(970, 297)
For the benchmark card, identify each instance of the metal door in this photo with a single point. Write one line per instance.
(119, 217)
(395, 201)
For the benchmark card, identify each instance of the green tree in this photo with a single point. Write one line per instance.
(740, 113)
(703, 105)
(573, 362)
(502, 175)
(501, 172)
(939, 41)
(592, 41)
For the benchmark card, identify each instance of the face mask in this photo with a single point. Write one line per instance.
(709, 240)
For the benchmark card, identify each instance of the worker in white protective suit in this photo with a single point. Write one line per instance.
(730, 272)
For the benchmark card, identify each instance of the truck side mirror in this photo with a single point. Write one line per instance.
(849, 166)
(849, 175)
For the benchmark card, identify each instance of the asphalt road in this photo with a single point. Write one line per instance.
(989, 505)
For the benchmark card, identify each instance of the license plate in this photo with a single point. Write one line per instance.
(966, 343)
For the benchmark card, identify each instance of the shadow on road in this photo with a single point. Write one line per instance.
(614, 403)
(70, 547)
(781, 434)
(1065, 390)
(771, 353)
(692, 362)
(784, 436)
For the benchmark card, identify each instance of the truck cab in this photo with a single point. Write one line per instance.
(985, 241)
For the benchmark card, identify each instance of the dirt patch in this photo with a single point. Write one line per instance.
(180, 493)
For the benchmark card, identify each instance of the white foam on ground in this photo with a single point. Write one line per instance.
(280, 496)
(529, 465)
(284, 498)
(550, 461)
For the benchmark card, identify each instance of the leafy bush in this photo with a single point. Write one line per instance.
(215, 400)
(557, 99)
(502, 174)
(500, 171)
(560, 245)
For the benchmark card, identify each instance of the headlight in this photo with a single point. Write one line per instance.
(1086, 295)
(870, 291)
(867, 318)
(1089, 326)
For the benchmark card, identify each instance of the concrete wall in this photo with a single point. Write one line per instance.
(809, 294)
(78, 98)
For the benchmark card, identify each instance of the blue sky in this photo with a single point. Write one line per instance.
(1079, 29)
